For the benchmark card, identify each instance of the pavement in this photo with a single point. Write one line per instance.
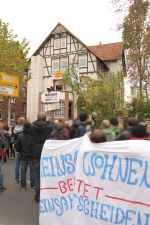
(16, 207)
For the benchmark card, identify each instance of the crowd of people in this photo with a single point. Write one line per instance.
(26, 141)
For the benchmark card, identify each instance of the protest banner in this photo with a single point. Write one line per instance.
(95, 184)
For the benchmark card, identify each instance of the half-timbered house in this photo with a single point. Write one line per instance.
(54, 55)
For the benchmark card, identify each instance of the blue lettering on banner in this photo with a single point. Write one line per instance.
(127, 216)
(91, 208)
(118, 212)
(123, 179)
(65, 164)
(103, 213)
(133, 171)
(144, 179)
(109, 165)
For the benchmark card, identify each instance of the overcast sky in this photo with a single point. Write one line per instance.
(90, 21)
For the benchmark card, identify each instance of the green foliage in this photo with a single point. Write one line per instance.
(137, 106)
(13, 54)
(99, 98)
(136, 41)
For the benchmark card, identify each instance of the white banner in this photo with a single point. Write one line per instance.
(53, 96)
(53, 106)
(95, 184)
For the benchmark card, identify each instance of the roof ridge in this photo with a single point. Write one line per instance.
(107, 44)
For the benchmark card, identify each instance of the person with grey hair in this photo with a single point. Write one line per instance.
(40, 131)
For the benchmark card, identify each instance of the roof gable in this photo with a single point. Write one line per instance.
(58, 29)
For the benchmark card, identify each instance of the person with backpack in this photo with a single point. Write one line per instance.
(17, 131)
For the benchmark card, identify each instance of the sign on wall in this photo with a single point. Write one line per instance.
(51, 96)
(53, 106)
(9, 85)
(86, 183)
(56, 74)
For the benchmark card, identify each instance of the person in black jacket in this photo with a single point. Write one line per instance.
(40, 131)
(24, 146)
(80, 125)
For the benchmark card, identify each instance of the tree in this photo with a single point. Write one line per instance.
(136, 41)
(137, 106)
(13, 54)
(99, 98)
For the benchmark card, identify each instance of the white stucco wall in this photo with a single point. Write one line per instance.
(35, 85)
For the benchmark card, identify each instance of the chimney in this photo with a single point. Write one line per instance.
(100, 43)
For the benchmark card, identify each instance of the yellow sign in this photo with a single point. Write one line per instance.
(57, 74)
(9, 85)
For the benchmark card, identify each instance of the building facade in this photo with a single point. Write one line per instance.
(18, 106)
(52, 57)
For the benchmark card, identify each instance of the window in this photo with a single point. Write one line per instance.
(24, 78)
(55, 64)
(83, 84)
(82, 61)
(70, 111)
(56, 43)
(63, 42)
(24, 107)
(1, 114)
(1, 98)
(12, 115)
(57, 86)
(12, 100)
(48, 113)
(24, 92)
(60, 113)
(63, 63)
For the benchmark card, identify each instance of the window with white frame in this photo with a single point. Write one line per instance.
(63, 63)
(63, 42)
(24, 78)
(24, 92)
(12, 100)
(1, 114)
(23, 107)
(60, 113)
(57, 43)
(12, 115)
(55, 64)
(82, 61)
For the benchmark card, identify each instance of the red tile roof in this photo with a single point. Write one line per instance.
(108, 51)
